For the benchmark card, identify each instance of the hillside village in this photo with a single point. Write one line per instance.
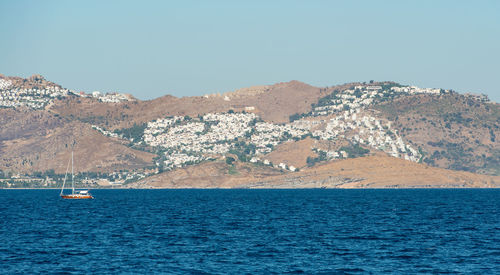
(108, 97)
(40, 96)
(362, 96)
(193, 140)
(183, 141)
(34, 98)
(343, 113)
(341, 124)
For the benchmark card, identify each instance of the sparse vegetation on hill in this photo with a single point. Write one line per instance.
(455, 131)
(355, 151)
(283, 128)
(136, 132)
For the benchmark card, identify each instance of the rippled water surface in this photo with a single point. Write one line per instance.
(251, 231)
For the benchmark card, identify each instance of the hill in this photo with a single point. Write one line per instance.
(286, 134)
(455, 131)
(274, 103)
(32, 141)
(366, 172)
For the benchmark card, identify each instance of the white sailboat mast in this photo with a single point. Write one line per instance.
(65, 176)
(72, 175)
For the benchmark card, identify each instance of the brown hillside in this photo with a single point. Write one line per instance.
(209, 175)
(386, 172)
(273, 103)
(38, 141)
(455, 131)
(293, 153)
(451, 131)
(35, 81)
(23, 123)
(367, 172)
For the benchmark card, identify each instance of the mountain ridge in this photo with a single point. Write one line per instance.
(288, 127)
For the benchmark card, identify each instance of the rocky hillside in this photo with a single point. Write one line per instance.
(454, 131)
(274, 103)
(365, 172)
(288, 134)
(32, 82)
(32, 140)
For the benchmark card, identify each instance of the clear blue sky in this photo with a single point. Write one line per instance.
(153, 48)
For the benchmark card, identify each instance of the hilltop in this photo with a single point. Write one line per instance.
(455, 131)
(288, 134)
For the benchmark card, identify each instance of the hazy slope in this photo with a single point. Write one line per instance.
(273, 103)
(367, 172)
(450, 130)
(38, 141)
(455, 131)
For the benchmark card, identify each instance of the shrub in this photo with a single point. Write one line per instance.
(355, 150)
(230, 160)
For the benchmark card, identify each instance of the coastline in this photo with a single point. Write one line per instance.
(264, 188)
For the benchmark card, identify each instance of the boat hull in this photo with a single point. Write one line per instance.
(77, 197)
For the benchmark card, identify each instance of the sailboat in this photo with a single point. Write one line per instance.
(79, 194)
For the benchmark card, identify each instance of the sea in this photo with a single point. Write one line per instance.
(316, 231)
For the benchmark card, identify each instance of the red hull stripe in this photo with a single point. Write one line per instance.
(76, 197)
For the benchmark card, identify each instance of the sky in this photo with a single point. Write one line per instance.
(185, 48)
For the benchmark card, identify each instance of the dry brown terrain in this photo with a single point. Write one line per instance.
(24, 122)
(368, 172)
(39, 140)
(209, 175)
(34, 81)
(273, 103)
(293, 153)
(386, 172)
(453, 131)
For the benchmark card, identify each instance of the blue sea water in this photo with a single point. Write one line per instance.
(251, 231)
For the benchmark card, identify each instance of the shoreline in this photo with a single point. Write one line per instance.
(262, 188)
